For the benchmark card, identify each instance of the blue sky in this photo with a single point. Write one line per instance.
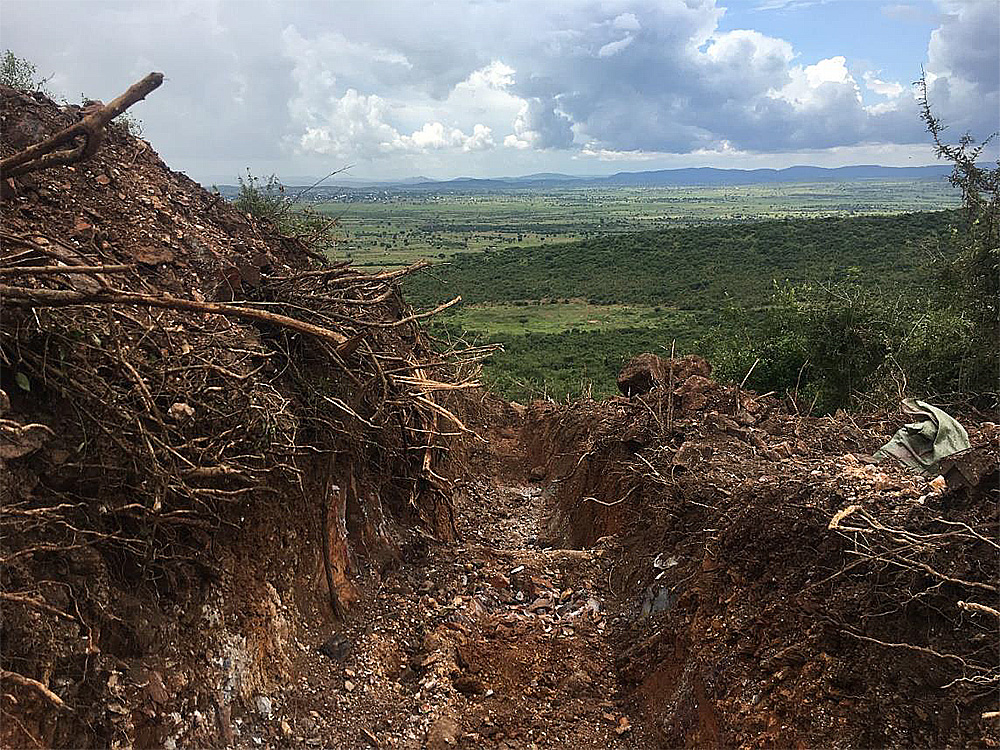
(501, 87)
(887, 36)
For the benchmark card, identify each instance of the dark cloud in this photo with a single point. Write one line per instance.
(282, 83)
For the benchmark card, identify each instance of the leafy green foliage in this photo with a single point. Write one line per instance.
(821, 308)
(130, 124)
(263, 199)
(696, 267)
(972, 278)
(833, 345)
(20, 74)
(266, 201)
(572, 363)
(931, 336)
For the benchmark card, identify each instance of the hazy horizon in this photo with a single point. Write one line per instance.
(348, 177)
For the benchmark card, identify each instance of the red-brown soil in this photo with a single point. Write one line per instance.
(777, 589)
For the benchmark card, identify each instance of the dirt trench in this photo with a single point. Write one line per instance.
(502, 640)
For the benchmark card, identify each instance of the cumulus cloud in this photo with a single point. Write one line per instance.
(540, 125)
(963, 66)
(356, 125)
(495, 80)
(626, 22)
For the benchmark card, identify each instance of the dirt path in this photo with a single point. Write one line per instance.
(495, 642)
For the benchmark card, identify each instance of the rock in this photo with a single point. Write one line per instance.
(692, 392)
(645, 371)
(467, 685)
(336, 647)
(577, 683)
(641, 374)
(263, 705)
(180, 412)
(155, 689)
(153, 256)
(689, 455)
(443, 733)
(537, 473)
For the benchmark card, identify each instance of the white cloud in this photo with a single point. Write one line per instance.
(613, 48)
(356, 127)
(890, 89)
(814, 86)
(434, 135)
(626, 22)
(446, 84)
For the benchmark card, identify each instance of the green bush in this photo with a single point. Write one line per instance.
(844, 341)
(263, 199)
(21, 74)
(266, 201)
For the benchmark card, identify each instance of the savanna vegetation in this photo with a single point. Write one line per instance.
(382, 228)
(801, 290)
(787, 295)
(699, 266)
(834, 312)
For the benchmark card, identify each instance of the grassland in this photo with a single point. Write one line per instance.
(569, 314)
(383, 229)
(573, 281)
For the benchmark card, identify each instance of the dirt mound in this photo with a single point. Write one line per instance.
(779, 589)
(209, 434)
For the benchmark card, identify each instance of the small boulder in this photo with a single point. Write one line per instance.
(641, 374)
(645, 371)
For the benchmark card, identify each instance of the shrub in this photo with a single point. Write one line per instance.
(21, 74)
(847, 341)
(263, 199)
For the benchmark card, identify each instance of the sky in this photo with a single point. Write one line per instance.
(488, 88)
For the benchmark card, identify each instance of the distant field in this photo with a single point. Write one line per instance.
(402, 227)
(555, 317)
(698, 267)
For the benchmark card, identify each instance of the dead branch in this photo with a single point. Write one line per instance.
(44, 270)
(917, 649)
(28, 297)
(20, 679)
(90, 128)
(981, 608)
(36, 602)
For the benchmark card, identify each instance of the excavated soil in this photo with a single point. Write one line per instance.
(777, 588)
(494, 642)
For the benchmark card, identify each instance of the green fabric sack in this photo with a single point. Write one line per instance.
(923, 443)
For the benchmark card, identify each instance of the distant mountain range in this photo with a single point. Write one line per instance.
(690, 176)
